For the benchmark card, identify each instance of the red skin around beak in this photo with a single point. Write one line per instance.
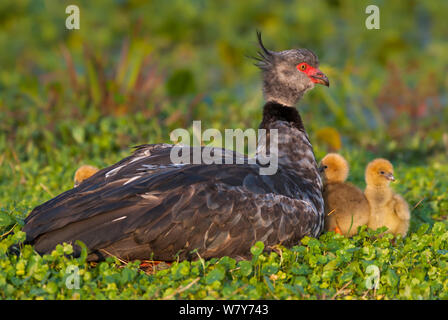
(314, 74)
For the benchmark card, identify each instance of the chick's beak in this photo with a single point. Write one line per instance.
(318, 76)
(390, 176)
(321, 168)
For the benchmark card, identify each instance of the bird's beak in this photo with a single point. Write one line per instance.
(389, 176)
(318, 76)
(321, 169)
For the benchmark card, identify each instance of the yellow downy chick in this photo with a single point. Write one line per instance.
(346, 207)
(387, 208)
(84, 172)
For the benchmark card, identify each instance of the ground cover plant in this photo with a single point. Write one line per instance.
(80, 97)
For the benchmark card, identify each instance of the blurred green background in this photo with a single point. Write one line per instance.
(136, 70)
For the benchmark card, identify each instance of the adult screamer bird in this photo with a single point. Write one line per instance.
(145, 207)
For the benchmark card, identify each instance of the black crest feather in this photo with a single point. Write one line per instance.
(264, 59)
(260, 42)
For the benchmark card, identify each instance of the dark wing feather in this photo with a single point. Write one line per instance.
(218, 209)
(147, 159)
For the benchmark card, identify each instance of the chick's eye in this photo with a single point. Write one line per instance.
(325, 167)
(382, 172)
(302, 67)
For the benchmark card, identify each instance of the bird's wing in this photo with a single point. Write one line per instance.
(401, 207)
(217, 208)
(147, 159)
(156, 158)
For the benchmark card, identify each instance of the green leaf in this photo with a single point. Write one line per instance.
(270, 268)
(257, 249)
(51, 287)
(438, 228)
(347, 276)
(423, 228)
(331, 265)
(269, 284)
(84, 250)
(216, 274)
(6, 220)
(298, 269)
(392, 278)
(245, 268)
(299, 249)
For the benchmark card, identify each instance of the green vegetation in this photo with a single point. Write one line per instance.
(135, 71)
(331, 267)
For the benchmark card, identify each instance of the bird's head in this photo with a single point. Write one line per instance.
(288, 74)
(334, 168)
(379, 173)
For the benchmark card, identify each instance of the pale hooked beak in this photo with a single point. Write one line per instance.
(319, 77)
(389, 176)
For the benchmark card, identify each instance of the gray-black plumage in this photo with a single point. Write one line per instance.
(146, 207)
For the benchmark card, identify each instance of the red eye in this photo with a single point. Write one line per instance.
(302, 66)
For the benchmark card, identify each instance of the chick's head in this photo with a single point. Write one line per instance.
(334, 168)
(379, 172)
(83, 173)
